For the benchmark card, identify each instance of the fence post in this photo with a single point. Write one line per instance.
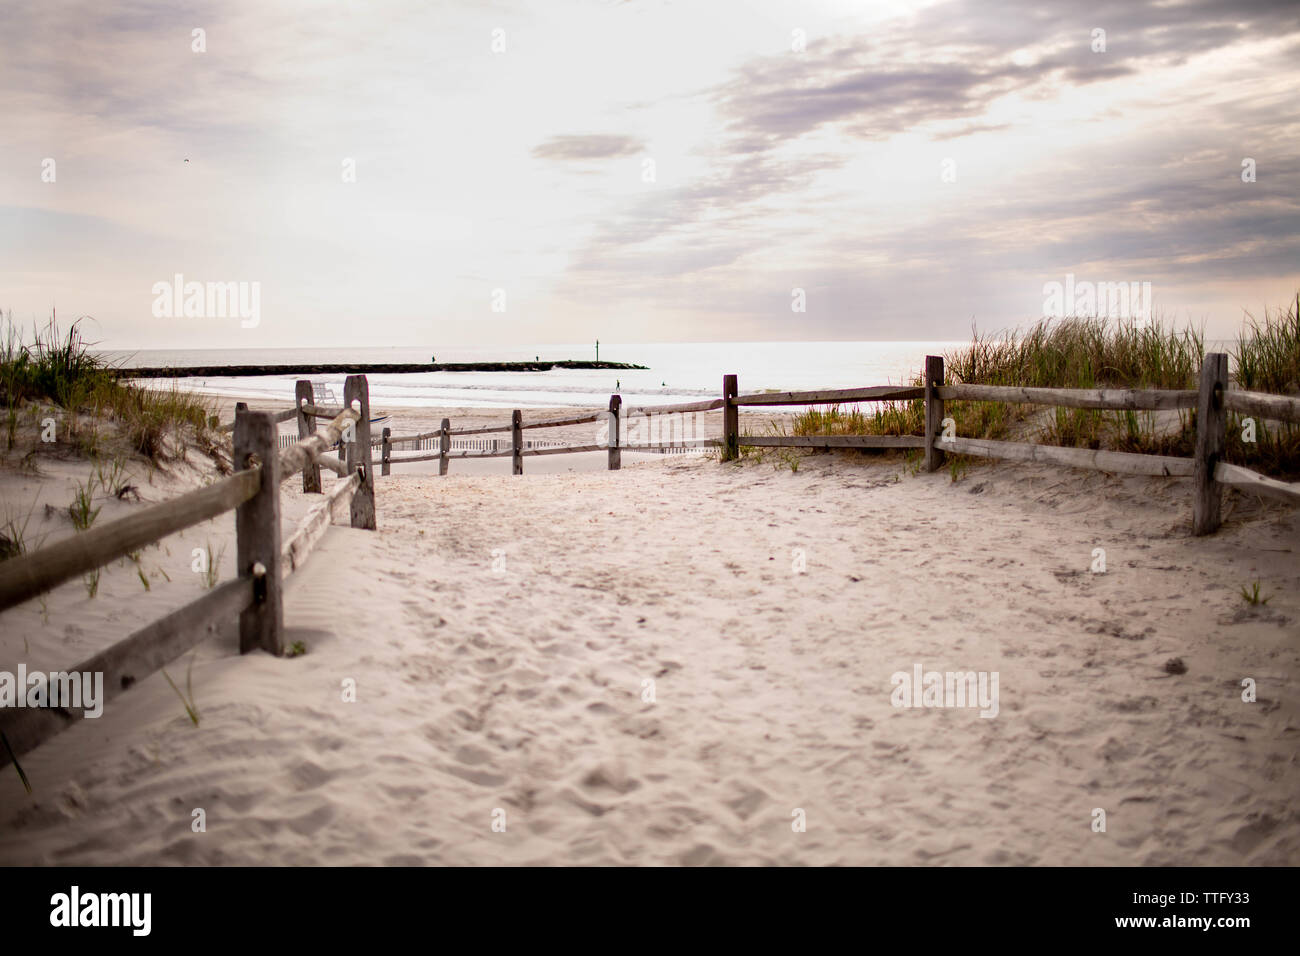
(257, 534)
(306, 425)
(517, 438)
(343, 444)
(730, 419)
(360, 454)
(387, 452)
(1211, 440)
(444, 446)
(934, 457)
(615, 451)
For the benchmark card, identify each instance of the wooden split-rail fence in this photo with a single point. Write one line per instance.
(1212, 402)
(447, 443)
(262, 560)
(261, 464)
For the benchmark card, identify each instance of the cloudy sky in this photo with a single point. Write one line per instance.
(642, 171)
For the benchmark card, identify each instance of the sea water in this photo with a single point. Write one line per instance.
(677, 372)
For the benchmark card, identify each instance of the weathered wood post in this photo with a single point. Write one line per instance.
(730, 419)
(517, 438)
(386, 454)
(934, 457)
(444, 445)
(615, 451)
(1211, 440)
(306, 425)
(360, 454)
(257, 534)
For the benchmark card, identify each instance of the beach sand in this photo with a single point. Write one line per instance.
(677, 662)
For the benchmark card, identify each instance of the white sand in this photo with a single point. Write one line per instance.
(521, 689)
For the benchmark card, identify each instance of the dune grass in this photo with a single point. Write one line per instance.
(1267, 359)
(1267, 356)
(58, 369)
(1100, 353)
(187, 698)
(13, 758)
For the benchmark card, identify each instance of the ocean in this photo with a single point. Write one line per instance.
(677, 372)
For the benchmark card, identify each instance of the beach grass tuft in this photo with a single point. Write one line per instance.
(1252, 595)
(59, 368)
(1100, 353)
(27, 784)
(187, 698)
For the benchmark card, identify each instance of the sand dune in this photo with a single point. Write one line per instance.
(500, 632)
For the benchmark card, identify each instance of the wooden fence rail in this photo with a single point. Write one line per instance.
(280, 416)
(484, 430)
(31, 574)
(672, 409)
(875, 393)
(1281, 408)
(1247, 480)
(1116, 398)
(1117, 462)
(557, 422)
(833, 441)
(255, 595)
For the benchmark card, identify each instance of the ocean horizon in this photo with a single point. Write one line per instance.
(676, 372)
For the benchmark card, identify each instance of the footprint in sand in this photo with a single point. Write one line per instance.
(746, 800)
(309, 823)
(701, 855)
(309, 776)
(1247, 839)
(604, 777)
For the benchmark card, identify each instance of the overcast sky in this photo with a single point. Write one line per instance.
(527, 169)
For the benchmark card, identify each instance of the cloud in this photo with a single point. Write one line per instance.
(592, 146)
(946, 64)
(1131, 204)
(818, 169)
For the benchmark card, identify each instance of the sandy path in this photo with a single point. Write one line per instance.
(521, 689)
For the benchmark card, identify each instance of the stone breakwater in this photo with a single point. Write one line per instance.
(240, 371)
